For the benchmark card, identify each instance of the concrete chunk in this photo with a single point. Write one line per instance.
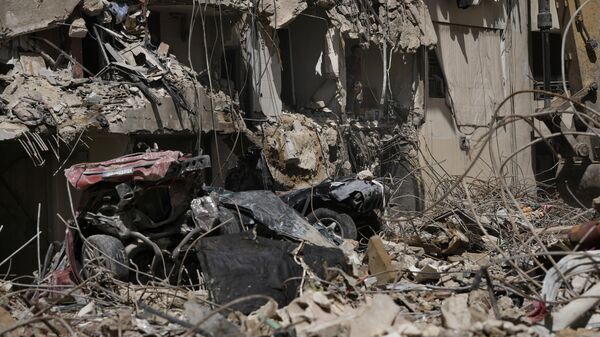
(380, 262)
(78, 29)
(93, 7)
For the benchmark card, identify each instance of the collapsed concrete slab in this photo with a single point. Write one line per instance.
(295, 150)
(24, 17)
(37, 98)
(282, 12)
(405, 25)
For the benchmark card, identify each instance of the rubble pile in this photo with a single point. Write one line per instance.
(57, 101)
(321, 225)
(404, 25)
(289, 149)
(140, 88)
(483, 269)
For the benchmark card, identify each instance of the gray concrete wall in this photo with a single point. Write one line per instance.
(307, 38)
(175, 31)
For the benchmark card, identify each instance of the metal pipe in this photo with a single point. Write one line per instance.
(544, 23)
(546, 66)
(177, 250)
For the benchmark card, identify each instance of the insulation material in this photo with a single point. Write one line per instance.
(471, 59)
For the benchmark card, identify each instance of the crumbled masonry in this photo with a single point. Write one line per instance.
(295, 168)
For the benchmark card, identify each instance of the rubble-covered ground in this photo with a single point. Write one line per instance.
(473, 264)
(481, 259)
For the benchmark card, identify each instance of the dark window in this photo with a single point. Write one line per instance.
(436, 76)
(287, 87)
(154, 27)
(537, 63)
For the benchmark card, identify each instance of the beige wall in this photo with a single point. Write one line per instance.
(174, 30)
(440, 138)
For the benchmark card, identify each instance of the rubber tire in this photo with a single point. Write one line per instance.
(233, 225)
(347, 225)
(111, 247)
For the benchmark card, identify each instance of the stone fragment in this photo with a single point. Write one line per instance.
(78, 29)
(163, 49)
(455, 312)
(92, 7)
(380, 262)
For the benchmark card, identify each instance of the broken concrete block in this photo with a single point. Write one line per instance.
(290, 152)
(78, 29)
(380, 262)
(429, 272)
(217, 324)
(281, 13)
(6, 320)
(163, 49)
(93, 7)
(24, 17)
(455, 312)
(31, 64)
(88, 309)
(409, 329)
(375, 318)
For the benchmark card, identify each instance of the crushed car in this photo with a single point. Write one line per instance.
(341, 207)
(131, 206)
(148, 216)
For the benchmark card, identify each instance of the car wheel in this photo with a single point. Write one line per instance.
(101, 253)
(232, 222)
(339, 224)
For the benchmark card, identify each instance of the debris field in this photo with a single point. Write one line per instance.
(299, 168)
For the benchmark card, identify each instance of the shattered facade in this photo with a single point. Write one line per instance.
(302, 168)
(127, 72)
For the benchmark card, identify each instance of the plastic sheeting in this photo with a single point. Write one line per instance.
(238, 265)
(242, 264)
(266, 208)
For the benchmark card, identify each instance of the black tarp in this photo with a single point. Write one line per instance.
(268, 209)
(242, 264)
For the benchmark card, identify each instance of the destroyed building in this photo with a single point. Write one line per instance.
(337, 87)
(285, 94)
